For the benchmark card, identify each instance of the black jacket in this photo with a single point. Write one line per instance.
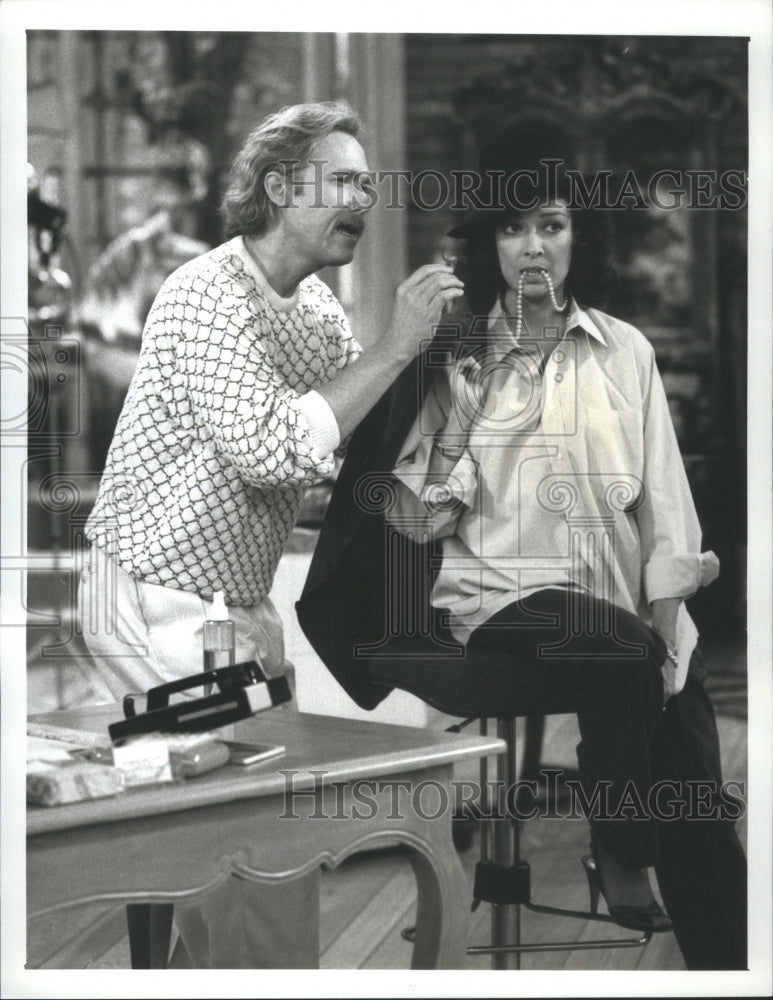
(366, 583)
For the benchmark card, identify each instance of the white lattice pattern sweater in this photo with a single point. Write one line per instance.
(213, 447)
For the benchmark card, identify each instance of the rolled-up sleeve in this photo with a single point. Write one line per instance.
(423, 503)
(673, 564)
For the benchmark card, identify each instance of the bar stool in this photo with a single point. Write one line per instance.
(480, 684)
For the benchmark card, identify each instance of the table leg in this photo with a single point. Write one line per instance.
(443, 910)
(150, 931)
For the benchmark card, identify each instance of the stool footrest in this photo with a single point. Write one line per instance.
(496, 883)
(409, 934)
(518, 949)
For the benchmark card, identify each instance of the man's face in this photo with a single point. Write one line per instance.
(327, 204)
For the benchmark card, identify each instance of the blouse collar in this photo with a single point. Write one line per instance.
(502, 339)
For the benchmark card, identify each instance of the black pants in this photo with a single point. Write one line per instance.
(606, 663)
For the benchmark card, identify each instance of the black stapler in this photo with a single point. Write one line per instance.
(242, 690)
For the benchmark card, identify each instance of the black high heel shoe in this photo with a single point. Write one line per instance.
(650, 918)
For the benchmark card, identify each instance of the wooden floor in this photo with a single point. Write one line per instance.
(368, 899)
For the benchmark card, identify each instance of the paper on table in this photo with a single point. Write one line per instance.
(143, 761)
(72, 737)
(42, 749)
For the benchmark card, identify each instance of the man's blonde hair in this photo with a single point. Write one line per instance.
(286, 137)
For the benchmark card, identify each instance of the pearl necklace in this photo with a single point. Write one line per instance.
(519, 301)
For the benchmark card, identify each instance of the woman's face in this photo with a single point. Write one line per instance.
(533, 242)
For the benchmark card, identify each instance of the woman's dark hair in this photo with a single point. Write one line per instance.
(590, 279)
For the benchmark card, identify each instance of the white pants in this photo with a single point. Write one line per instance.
(140, 635)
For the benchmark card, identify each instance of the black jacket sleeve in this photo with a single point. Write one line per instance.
(366, 584)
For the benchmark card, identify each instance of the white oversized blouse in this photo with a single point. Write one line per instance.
(571, 476)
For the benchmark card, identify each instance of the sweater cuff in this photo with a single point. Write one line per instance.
(323, 426)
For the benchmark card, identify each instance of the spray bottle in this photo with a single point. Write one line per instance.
(219, 637)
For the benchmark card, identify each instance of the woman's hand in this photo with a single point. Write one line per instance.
(668, 671)
(664, 615)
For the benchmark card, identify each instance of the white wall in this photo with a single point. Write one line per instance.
(317, 690)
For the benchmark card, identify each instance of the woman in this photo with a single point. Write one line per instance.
(545, 459)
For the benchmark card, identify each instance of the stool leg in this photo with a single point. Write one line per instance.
(485, 803)
(506, 917)
(532, 746)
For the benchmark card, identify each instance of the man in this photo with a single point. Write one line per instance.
(248, 380)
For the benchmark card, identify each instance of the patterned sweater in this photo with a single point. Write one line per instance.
(213, 448)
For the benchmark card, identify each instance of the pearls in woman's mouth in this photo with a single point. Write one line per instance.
(519, 300)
